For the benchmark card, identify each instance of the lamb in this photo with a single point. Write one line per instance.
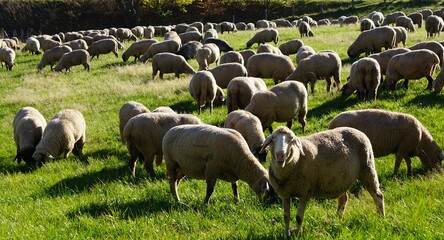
(267, 48)
(190, 36)
(189, 49)
(170, 46)
(51, 56)
(73, 58)
(143, 135)
(406, 22)
(126, 112)
(383, 58)
(291, 47)
(240, 90)
(304, 52)
(170, 63)
(394, 132)
(365, 77)
(371, 41)
(225, 72)
(433, 25)
(377, 18)
(196, 151)
(137, 49)
(231, 57)
(367, 24)
(281, 103)
(203, 89)
(207, 54)
(63, 134)
(304, 28)
(250, 127)
(223, 45)
(103, 46)
(349, 20)
(416, 18)
(49, 43)
(32, 45)
(264, 36)
(28, 126)
(7, 56)
(269, 65)
(406, 66)
(322, 65)
(322, 165)
(433, 46)
(401, 35)
(246, 54)
(391, 18)
(210, 33)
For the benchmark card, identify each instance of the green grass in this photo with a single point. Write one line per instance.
(67, 199)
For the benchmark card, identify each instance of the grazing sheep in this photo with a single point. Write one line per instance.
(394, 132)
(372, 41)
(433, 25)
(143, 135)
(433, 46)
(391, 18)
(250, 26)
(367, 24)
(89, 40)
(304, 28)
(103, 46)
(322, 65)
(231, 57)
(225, 72)
(63, 134)
(220, 43)
(269, 65)
(322, 165)
(241, 26)
(163, 109)
(438, 84)
(190, 36)
(365, 76)
(267, 48)
(170, 63)
(304, 52)
(32, 45)
(291, 47)
(262, 24)
(407, 66)
(198, 25)
(137, 49)
(7, 56)
(416, 18)
(192, 29)
(384, 57)
(281, 103)
(203, 89)
(73, 58)
(12, 43)
(49, 43)
(170, 46)
(160, 31)
(209, 53)
(401, 35)
(264, 36)
(126, 112)
(426, 13)
(227, 27)
(210, 33)
(137, 31)
(189, 49)
(123, 34)
(181, 28)
(77, 44)
(211, 153)
(240, 90)
(246, 54)
(208, 26)
(377, 18)
(324, 22)
(148, 32)
(282, 23)
(53, 55)
(349, 20)
(28, 126)
(70, 36)
(406, 22)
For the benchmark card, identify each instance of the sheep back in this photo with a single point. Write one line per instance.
(240, 90)
(225, 72)
(371, 41)
(269, 65)
(126, 112)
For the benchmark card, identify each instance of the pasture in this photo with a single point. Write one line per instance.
(67, 199)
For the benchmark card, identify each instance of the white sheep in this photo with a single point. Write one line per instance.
(416, 18)
(240, 90)
(211, 153)
(211, 33)
(143, 135)
(225, 72)
(433, 46)
(28, 126)
(349, 20)
(53, 55)
(391, 18)
(367, 24)
(365, 77)
(281, 103)
(190, 36)
(126, 112)
(304, 28)
(269, 65)
(207, 54)
(406, 22)
(203, 89)
(264, 36)
(322, 165)
(401, 35)
(77, 44)
(267, 48)
(394, 133)
(170, 46)
(32, 45)
(137, 49)
(291, 47)
(384, 57)
(246, 54)
(377, 18)
(170, 63)
(73, 58)
(49, 43)
(103, 46)
(231, 57)
(7, 56)
(304, 52)
(433, 25)
(372, 41)
(63, 134)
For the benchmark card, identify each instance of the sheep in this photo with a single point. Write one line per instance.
(172, 35)
(262, 24)
(281, 103)
(304, 28)
(391, 18)
(49, 43)
(77, 44)
(227, 27)
(304, 52)
(28, 126)
(196, 151)
(190, 36)
(407, 66)
(123, 34)
(269, 65)
(377, 18)
(89, 40)
(103, 46)
(73, 58)
(240, 90)
(371, 41)
(250, 127)
(365, 77)
(282, 23)
(232, 57)
(208, 26)
(291, 47)
(324, 22)
(207, 54)
(126, 112)
(63, 134)
(367, 24)
(12, 43)
(70, 36)
(170, 63)
(3, 44)
(189, 49)
(181, 28)
(322, 65)
(241, 26)
(401, 35)
(148, 32)
(433, 46)
(143, 135)
(137, 49)
(264, 36)
(220, 43)
(32, 45)
(193, 29)
(393, 132)
(416, 18)
(225, 72)
(438, 84)
(406, 22)
(160, 31)
(267, 48)
(163, 109)
(170, 46)
(137, 31)
(383, 58)
(51, 56)
(250, 26)
(433, 25)
(246, 54)
(203, 89)
(426, 13)
(7, 56)
(210, 33)
(322, 165)
(349, 20)
(198, 25)
(309, 20)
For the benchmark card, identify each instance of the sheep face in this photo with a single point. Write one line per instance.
(352, 54)
(26, 155)
(284, 146)
(42, 157)
(431, 155)
(347, 90)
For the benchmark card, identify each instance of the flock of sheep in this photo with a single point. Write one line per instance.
(200, 151)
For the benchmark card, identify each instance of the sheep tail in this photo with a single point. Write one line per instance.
(203, 94)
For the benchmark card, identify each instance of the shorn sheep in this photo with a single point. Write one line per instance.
(126, 112)
(240, 90)
(323, 165)
(211, 153)
(394, 133)
(365, 77)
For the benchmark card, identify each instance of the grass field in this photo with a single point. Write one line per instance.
(67, 199)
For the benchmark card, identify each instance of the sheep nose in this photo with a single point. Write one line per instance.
(280, 156)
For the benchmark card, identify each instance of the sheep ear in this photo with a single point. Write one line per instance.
(298, 144)
(267, 142)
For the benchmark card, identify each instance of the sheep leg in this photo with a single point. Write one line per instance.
(175, 175)
(342, 203)
(406, 83)
(149, 159)
(286, 202)
(161, 75)
(235, 191)
(430, 81)
(328, 83)
(289, 123)
(134, 154)
(301, 120)
(397, 163)
(370, 181)
(408, 161)
(115, 54)
(211, 181)
(78, 148)
(300, 214)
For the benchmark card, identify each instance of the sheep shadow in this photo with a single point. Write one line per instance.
(103, 153)
(14, 167)
(115, 64)
(338, 103)
(429, 100)
(187, 106)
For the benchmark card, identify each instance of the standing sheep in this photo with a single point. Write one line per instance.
(137, 49)
(190, 36)
(291, 47)
(304, 28)
(227, 27)
(269, 65)
(189, 49)
(7, 56)
(433, 25)
(365, 77)
(28, 126)
(126, 112)
(170, 63)
(207, 54)
(416, 18)
(223, 45)
(63, 134)
(264, 36)
(210, 33)
(433, 46)
(349, 20)
(391, 18)
(103, 46)
(232, 57)
(383, 58)
(246, 54)
(401, 35)
(282, 103)
(48, 44)
(69, 59)
(367, 24)
(32, 45)
(372, 41)
(211, 153)
(406, 22)
(377, 18)
(203, 89)
(225, 72)
(77, 44)
(394, 132)
(240, 90)
(323, 165)
(51, 56)
(170, 46)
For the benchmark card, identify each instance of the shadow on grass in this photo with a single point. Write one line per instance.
(187, 106)
(13, 167)
(338, 103)
(428, 100)
(116, 64)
